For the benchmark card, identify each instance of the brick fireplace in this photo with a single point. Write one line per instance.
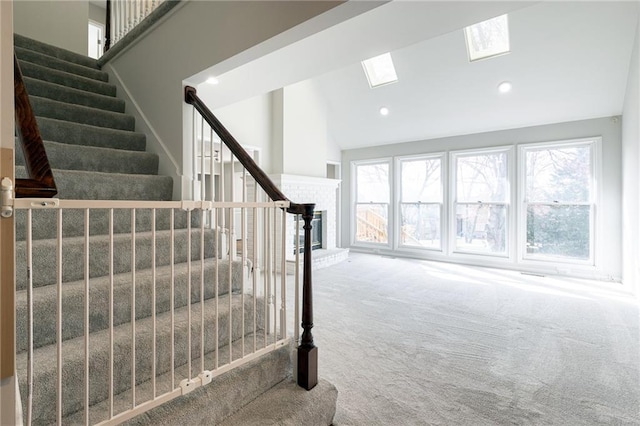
(322, 192)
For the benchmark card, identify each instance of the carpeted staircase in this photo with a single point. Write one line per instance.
(96, 154)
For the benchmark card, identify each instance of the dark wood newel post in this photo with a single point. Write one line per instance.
(307, 351)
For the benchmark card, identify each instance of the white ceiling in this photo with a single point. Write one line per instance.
(568, 61)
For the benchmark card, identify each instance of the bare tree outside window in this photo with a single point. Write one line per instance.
(421, 202)
(372, 203)
(558, 202)
(482, 194)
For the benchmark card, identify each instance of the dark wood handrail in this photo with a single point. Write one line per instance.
(41, 182)
(307, 351)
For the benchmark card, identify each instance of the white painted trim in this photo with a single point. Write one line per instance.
(305, 180)
(596, 225)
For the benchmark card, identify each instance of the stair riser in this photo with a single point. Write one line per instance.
(43, 107)
(45, 89)
(60, 64)
(80, 134)
(45, 300)
(45, 252)
(74, 157)
(56, 52)
(73, 366)
(81, 185)
(44, 222)
(66, 79)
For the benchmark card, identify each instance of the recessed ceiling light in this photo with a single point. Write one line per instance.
(504, 87)
(212, 80)
(380, 70)
(384, 111)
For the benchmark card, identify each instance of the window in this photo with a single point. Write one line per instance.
(558, 202)
(421, 202)
(488, 38)
(380, 70)
(481, 202)
(372, 202)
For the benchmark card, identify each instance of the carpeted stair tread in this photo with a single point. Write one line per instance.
(56, 52)
(287, 404)
(44, 107)
(83, 134)
(217, 399)
(66, 79)
(60, 64)
(86, 185)
(211, 404)
(45, 299)
(91, 158)
(44, 222)
(58, 92)
(73, 251)
(73, 353)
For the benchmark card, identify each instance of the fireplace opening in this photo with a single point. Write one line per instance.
(316, 233)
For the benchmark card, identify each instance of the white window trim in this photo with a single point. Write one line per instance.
(354, 204)
(596, 225)
(511, 209)
(442, 156)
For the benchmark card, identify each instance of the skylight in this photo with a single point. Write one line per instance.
(380, 70)
(488, 38)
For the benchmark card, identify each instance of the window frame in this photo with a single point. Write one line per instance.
(595, 144)
(510, 221)
(354, 204)
(442, 204)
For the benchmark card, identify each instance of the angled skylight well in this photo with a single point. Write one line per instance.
(488, 38)
(380, 70)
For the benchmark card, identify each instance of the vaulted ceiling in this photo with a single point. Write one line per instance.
(568, 61)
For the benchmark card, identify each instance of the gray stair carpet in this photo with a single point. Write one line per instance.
(96, 154)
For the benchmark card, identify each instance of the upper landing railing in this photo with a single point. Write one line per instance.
(307, 351)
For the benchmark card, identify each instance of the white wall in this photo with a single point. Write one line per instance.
(197, 35)
(305, 131)
(249, 122)
(60, 23)
(631, 174)
(609, 240)
(97, 13)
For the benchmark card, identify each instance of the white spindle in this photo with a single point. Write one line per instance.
(283, 277)
(87, 330)
(194, 160)
(189, 375)
(173, 295)
(111, 336)
(216, 284)
(254, 278)
(133, 308)
(202, 288)
(153, 301)
(59, 318)
(29, 318)
(202, 159)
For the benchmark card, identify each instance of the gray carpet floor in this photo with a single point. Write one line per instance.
(410, 342)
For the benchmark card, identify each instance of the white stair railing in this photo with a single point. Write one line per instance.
(125, 15)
